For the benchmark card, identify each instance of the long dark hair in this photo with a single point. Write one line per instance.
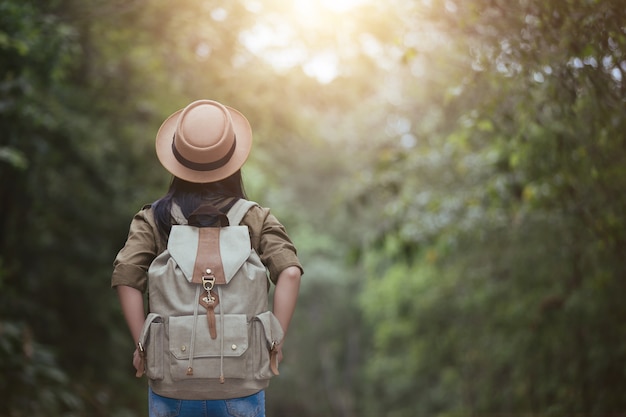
(189, 196)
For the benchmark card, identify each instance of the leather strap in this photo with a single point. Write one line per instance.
(210, 300)
(208, 256)
(207, 216)
(274, 361)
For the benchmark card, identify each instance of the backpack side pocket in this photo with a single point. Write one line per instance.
(267, 332)
(152, 337)
(155, 352)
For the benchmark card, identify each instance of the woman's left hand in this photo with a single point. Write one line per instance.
(138, 363)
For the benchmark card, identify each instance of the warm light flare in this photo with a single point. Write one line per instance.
(307, 33)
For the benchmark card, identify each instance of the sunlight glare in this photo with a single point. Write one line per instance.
(341, 6)
(323, 67)
(279, 40)
(316, 9)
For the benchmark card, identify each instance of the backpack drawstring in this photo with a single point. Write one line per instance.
(192, 344)
(222, 379)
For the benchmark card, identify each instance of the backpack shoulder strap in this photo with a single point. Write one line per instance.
(177, 214)
(239, 210)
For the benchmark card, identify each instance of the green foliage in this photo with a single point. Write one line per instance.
(503, 255)
(32, 382)
(57, 238)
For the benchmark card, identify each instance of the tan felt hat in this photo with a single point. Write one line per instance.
(204, 142)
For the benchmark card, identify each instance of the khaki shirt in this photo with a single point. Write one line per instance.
(268, 237)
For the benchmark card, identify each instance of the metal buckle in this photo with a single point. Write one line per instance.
(208, 280)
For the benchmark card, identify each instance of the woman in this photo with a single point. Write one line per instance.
(204, 146)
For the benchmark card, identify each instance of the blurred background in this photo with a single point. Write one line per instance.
(453, 173)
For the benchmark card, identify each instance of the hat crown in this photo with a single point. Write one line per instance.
(204, 132)
(204, 142)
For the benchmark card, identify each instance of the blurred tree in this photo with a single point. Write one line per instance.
(59, 170)
(501, 252)
(34, 52)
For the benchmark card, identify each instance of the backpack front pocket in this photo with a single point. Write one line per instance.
(194, 354)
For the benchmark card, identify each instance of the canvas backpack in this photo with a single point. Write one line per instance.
(209, 333)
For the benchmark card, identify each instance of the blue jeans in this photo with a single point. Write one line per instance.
(252, 406)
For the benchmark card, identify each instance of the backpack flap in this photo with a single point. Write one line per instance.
(235, 248)
(273, 336)
(271, 328)
(182, 247)
(145, 330)
(221, 250)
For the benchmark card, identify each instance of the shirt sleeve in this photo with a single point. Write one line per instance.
(132, 261)
(271, 241)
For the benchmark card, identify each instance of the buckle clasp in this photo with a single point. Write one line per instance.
(208, 280)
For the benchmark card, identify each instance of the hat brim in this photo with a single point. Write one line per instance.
(164, 138)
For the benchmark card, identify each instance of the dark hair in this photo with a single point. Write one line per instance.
(189, 196)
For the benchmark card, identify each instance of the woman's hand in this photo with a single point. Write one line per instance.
(279, 352)
(139, 363)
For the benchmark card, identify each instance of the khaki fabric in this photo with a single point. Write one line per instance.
(213, 339)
